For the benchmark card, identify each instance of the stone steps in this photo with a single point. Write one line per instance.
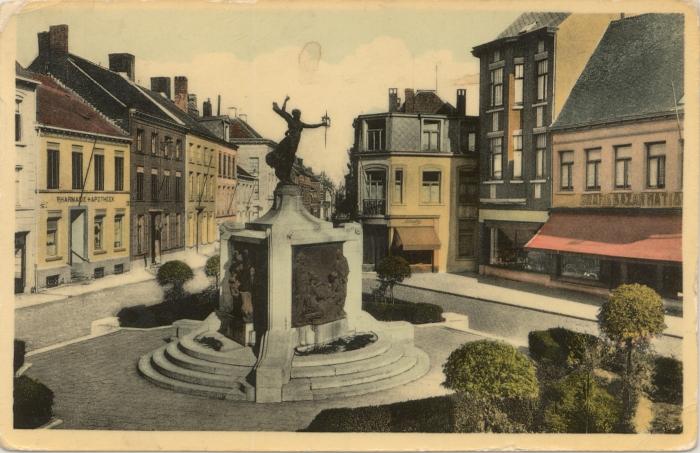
(162, 365)
(177, 356)
(394, 353)
(379, 347)
(146, 369)
(240, 356)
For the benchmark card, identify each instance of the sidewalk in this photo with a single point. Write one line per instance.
(518, 294)
(137, 274)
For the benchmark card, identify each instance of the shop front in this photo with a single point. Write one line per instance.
(605, 250)
(419, 245)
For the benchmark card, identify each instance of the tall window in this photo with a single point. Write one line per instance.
(593, 169)
(118, 173)
(656, 165)
(191, 189)
(497, 87)
(99, 172)
(518, 84)
(166, 187)
(495, 123)
(221, 164)
(178, 187)
(540, 46)
(167, 146)
(517, 155)
(139, 183)
(178, 149)
(566, 159)
(471, 142)
(398, 185)
(430, 190)
(154, 187)
(375, 185)
(375, 135)
(256, 189)
(52, 166)
(496, 149)
(166, 231)
(141, 234)
(431, 136)
(77, 167)
(623, 162)
(118, 231)
(542, 70)
(99, 232)
(139, 140)
(539, 116)
(540, 149)
(178, 227)
(154, 143)
(18, 120)
(254, 165)
(52, 237)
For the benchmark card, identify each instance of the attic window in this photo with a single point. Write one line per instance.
(528, 27)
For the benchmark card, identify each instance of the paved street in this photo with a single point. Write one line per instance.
(511, 309)
(97, 387)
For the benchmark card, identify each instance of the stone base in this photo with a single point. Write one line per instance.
(323, 333)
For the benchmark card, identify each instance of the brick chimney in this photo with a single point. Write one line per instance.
(123, 63)
(461, 101)
(192, 105)
(161, 85)
(58, 40)
(393, 99)
(409, 100)
(206, 108)
(181, 99)
(44, 43)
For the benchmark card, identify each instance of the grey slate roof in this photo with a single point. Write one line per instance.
(630, 74)
(531, 21)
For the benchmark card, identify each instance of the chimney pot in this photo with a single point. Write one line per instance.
(409, 100)
(206, 108)
(181, 98)
(461, 101)
(192, 105)
(123, 62)
(393, 99)
(161, 85)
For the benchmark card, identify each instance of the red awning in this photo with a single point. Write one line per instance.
(645, 236)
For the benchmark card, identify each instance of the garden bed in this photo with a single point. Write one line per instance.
(193, 306)
(400, 310)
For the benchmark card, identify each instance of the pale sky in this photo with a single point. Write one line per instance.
(340, 61)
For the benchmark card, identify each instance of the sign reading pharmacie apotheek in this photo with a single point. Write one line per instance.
(633, 200)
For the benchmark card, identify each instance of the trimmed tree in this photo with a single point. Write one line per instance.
(491, 375)
(212, 269)
(629, 319)
(175, 274)
(390, 271)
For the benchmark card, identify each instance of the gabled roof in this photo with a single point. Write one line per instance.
(109, 92)
(23, 73)
(241, 173)
(427, 101)
(532, 21)
(57, 106)
(241, 129)
(631, 74)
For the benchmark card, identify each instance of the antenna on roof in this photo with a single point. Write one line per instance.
(436, 77)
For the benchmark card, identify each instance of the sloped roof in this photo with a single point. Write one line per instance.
(427, 101)
(60, 107)
(241, 173)
(532, 21)
(631, 74)
(109, 92)
(21, 72)
(243, 130)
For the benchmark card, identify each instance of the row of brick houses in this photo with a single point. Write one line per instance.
(571, 175)
(111, 174)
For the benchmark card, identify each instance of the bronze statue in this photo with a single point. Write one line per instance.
(282, 157)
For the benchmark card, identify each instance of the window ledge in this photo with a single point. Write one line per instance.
(21, 145)
(566, 192)
(621, 190)
(120, 249)
(495, 108)
(518, 106)
(655, 190)
(517, 181)
(99, 252)
(593, 191)
(540, 104)
(538, 181)
(53, 258)
(493, 181)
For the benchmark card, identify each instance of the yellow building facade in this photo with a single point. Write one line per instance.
(83, 217)
(201, 168)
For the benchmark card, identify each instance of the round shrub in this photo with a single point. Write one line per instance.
(33, 403)
(559, 346)
(212, 269)
(632, 314)
(581, 406)
(490, 370)
(175, 273)
(391, 270)
(667, 380)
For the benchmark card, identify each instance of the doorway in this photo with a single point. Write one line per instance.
(20, 261)
(77, 236)
(155, 237)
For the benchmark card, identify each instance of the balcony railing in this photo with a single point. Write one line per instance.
(374, 207)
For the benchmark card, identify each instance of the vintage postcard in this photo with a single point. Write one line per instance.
(255, 226)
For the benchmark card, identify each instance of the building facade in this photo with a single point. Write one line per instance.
(416, 169)
(26, 164)
(527, 73)
(245, 194)
(310, 186)
(618, 164)
(83, 190)
(157, 160)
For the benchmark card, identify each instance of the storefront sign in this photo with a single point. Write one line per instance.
(85, 198)
(633, 200)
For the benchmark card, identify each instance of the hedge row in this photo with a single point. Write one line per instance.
(33, 403)
(193, 306)
(555, 346)
(667, 380)
(415, 313)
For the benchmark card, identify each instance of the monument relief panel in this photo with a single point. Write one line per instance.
(319, 284)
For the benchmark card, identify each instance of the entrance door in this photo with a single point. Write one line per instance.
(77, 236)
(20, 262)
(155, 237)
